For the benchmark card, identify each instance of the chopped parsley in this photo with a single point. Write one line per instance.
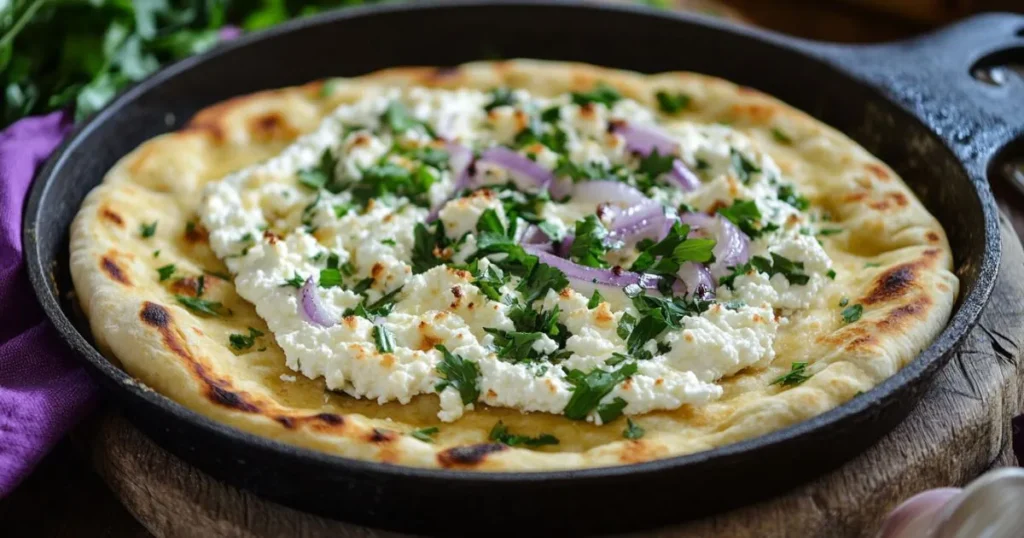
(240, 342)
(388, 242)
(432, 156)
(541, 279)
(321, 175)
(742, 166)
(500, 97)
(340, 210)
(165, 272)
(778, 265)
(788, 195)
(871, 264)
(399, 120)
(595, 300)
(489, 280)
(550, 135)
(384, 339)
(591, 245)
(672, 103)
(429, 241)
(330, 277)
(633, 431)
(296, 281)
(666, 256)
(201, 306)
(602, 93)
(380, 307)
(147, 230)
(797, 374)
(830, 231)
(425, 434)
(745, 215)
(852, 313)
(655, 164)
(611, 411)
(458, 373)
(200, 285)
(780, 136)
(553, 233)
(844, 301)
(501, 434)
(590, 388)
(831, 274)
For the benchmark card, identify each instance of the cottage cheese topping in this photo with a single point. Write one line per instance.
(456, 307)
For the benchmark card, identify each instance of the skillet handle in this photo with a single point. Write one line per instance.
(960, 81)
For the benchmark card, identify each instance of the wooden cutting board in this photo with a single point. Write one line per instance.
(960, 429)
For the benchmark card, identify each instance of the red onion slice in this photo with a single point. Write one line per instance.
(459, 159)
(312, 307)
(683, 176)
(697, 280)
(587, 279)
(648, 221)
(534, 237)
(645, 139)
(524, 172)
(732, 247)
(608, 191)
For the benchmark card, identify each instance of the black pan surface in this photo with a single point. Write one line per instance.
(913, 104)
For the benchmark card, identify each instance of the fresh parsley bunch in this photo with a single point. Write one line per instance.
(78, 54)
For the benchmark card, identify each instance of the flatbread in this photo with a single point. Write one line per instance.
(895, 261)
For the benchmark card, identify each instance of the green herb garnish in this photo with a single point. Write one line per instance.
(853, 313)
(589, 389)
(147, 230)
(296, 281)
(241, 342)
(165, 272)
(797, 374)
(742, 166)
(672, 103)
(458, 373)
(425, 434)
(501, 434)
(780, 136)
(591, 245)
(633, 431)
(210, 308)
(602, 93)
(384, 339)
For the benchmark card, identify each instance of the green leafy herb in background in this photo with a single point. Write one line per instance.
(78, 54)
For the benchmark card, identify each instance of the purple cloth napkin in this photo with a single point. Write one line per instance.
(43, 391)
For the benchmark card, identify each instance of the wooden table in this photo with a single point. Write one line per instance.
(64, 497)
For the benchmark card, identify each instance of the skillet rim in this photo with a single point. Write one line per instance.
(924, 366)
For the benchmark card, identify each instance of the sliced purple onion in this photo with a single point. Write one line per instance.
(645, 139)
(732, 247)
(312, 307)
(645, 221)
(697, 280)
(524, 172)
(459, 159)
(587, 279)
(534, 237)
(608, 191)
(683, 176)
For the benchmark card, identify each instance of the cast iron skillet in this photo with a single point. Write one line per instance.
(913, 104)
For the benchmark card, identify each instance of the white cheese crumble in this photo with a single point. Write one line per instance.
(275, 227)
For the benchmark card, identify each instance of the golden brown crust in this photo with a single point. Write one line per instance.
(892, 258)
